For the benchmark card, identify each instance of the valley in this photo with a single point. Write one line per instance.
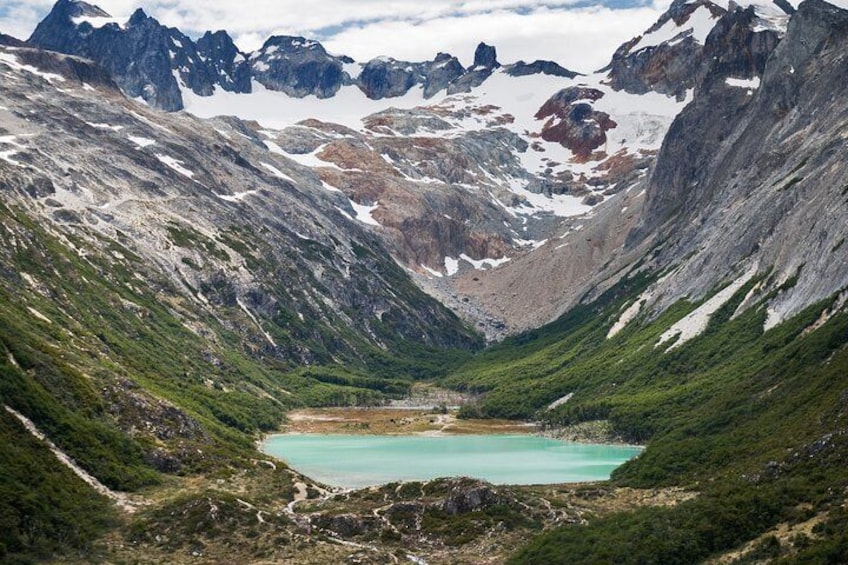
(201, 247)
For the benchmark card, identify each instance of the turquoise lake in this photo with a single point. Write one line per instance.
(355, 461)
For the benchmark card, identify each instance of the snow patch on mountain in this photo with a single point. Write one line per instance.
(769, 14)
(6, 154)
(237, 197)
(698, 26)
(105, 126)
(175, 164)
(752, 83)
(12, 61)
(562, 205)
(277, 110)
(694, 323)
(502, 101)
(482, 264)
(363, 213)
(99, 21)
(451, 266)
(278, 173)
(141, 142)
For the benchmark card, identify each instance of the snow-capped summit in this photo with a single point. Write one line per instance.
(147, 60)
(160, 64)
(299, 67)
(674, 54)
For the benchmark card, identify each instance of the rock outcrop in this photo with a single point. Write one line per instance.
(520, 69)
(674, 54)
(145, 58)
(217, 215)
(299, 67)
(573, 122)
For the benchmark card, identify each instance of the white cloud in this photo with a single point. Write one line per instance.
(580, 38)
(18, 18)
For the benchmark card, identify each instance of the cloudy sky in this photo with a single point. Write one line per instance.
(578, 34)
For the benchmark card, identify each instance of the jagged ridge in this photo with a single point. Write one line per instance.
(150, 61)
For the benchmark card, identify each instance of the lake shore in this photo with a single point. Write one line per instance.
(397, 421)
(433, 421)
(433, 411)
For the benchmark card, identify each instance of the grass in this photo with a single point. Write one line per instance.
(119, 371)
(133, 381)
(730, 413)
(44, 508)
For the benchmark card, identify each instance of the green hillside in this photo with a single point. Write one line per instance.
(753, 421)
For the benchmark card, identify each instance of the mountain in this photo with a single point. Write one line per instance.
(689, 212)
(296, 66)
(758, 185)
(658, 249)
(673, 55)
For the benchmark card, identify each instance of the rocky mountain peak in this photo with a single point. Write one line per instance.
(385, 77)
(160, 64)
(298, 66)
(676, 53)
(140, 17)
(218, 45)
(292, 44)
(77, 8)
(485, 56)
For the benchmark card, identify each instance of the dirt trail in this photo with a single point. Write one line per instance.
(120, 499)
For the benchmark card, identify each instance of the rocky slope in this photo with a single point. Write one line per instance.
(673, 55)
(454, 168)
(204, 205)
(461, 185)
(768, 193)
(692, 45)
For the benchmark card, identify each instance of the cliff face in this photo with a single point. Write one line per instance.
(751, 173)
(675, 54)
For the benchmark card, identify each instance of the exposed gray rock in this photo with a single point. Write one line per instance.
(156, 63)
(137, 57)
(485, 56)
(348, 525)
(40, 188)
(385, 77)
(299, 67)
(225, 223)
(675, 66)
(753, 176)
(538, 67)
(442, 72)
(463, 499)
(11, 41)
